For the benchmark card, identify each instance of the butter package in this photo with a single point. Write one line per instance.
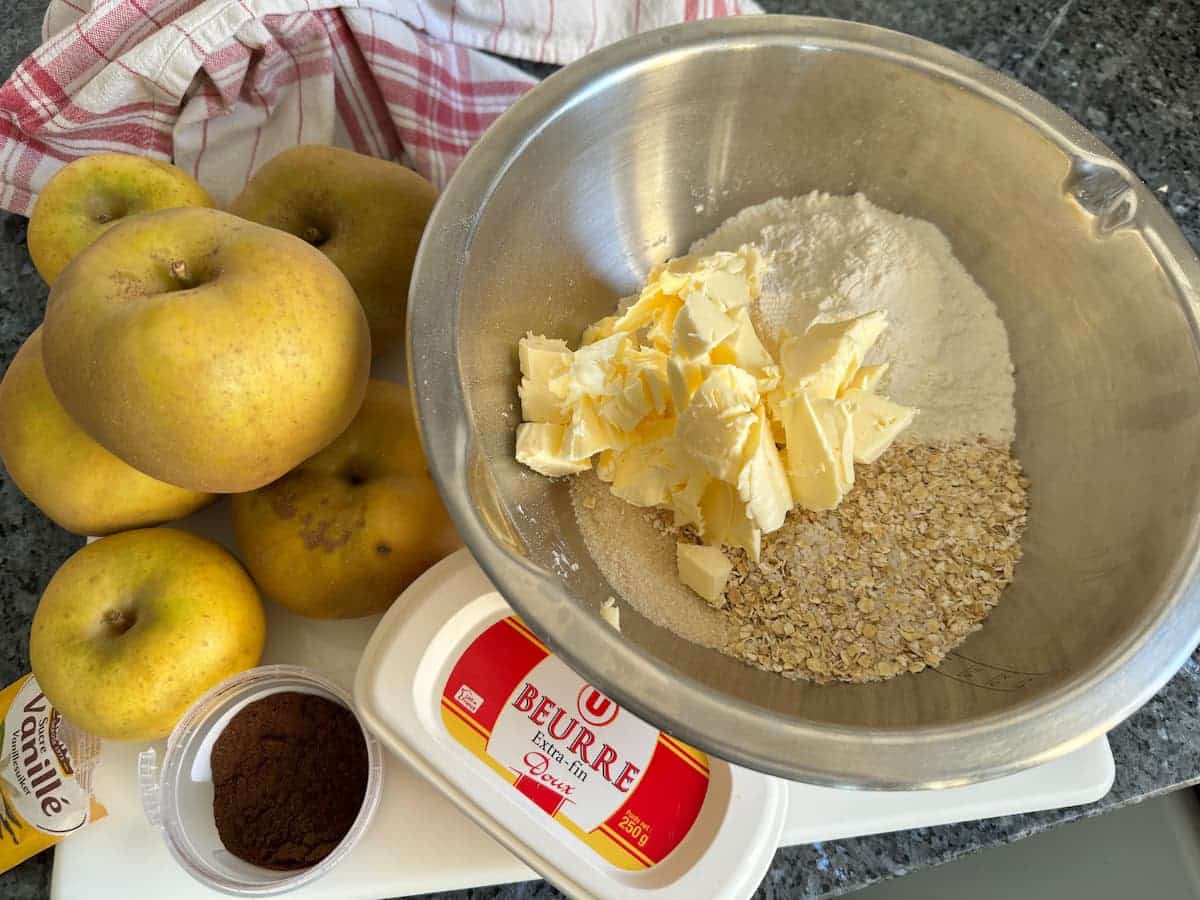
(599, 802)
(45, 775)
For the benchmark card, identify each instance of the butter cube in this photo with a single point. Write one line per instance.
(545, 364)
(686, 499)
(610, 612)
(727, 289)
(768, 379)
(588, 433)
(814, 460)
(650, 304)
(726, 520)
(683, 378)
(606, 464)
(720, 281)
(539, 446)
(716, 442)
(651, 366)
(626, 408)
(730, 278)
(716, 425)
(876, 422)
(704, 569)
(678, 275)
(861, 331)
(824, 359)
(700, 326)
(749, 262)
(644, 477)
(660, 331)
(763, 482)
(730, 386)
(593, 366)
(599, 330)
(867, 378)
(743, 348)
(540, 404)
(652, 430)
(543, 359)
(838, 427)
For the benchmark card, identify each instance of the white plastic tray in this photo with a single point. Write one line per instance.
(420, 843)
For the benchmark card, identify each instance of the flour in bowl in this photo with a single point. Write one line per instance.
(833, 257)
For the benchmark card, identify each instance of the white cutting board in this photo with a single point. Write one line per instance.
(419, 842)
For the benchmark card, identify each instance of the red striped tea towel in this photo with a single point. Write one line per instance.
(220, 86)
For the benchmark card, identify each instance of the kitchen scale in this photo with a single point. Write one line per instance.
(419, 842)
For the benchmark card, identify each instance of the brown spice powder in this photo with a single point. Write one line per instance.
(289, 777)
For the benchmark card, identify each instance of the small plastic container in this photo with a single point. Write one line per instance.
(177, 793)
(599, 802)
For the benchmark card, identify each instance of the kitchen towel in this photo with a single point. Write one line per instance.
(220, 86)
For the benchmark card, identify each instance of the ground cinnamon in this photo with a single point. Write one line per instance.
(289, 777)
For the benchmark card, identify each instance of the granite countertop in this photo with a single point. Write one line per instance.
(1129, 71)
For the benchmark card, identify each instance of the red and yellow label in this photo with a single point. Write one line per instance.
(623, 788)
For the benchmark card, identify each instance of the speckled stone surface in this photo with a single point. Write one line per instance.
(1129, 71)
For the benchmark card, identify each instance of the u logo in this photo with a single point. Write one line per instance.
(594, 708)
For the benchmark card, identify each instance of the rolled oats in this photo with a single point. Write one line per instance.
(909, 565)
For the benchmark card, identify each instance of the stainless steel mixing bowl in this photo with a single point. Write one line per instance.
(621, 160)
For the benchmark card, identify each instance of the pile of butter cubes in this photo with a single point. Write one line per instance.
(677, 404)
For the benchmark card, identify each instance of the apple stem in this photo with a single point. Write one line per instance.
(179, 271)
(119, 621)
(313, 235)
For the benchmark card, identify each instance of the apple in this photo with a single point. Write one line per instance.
(66, 474)
(365, 214)
(205, 350)
(133, 628)
(349, 529)
(85, 198)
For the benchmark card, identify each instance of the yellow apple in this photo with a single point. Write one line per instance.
(205, 350)
(86, 197)
(133, 628)
(66, 474)
(365, 214)
(347, 531)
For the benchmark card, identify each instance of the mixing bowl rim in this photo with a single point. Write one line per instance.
(1037, 729)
